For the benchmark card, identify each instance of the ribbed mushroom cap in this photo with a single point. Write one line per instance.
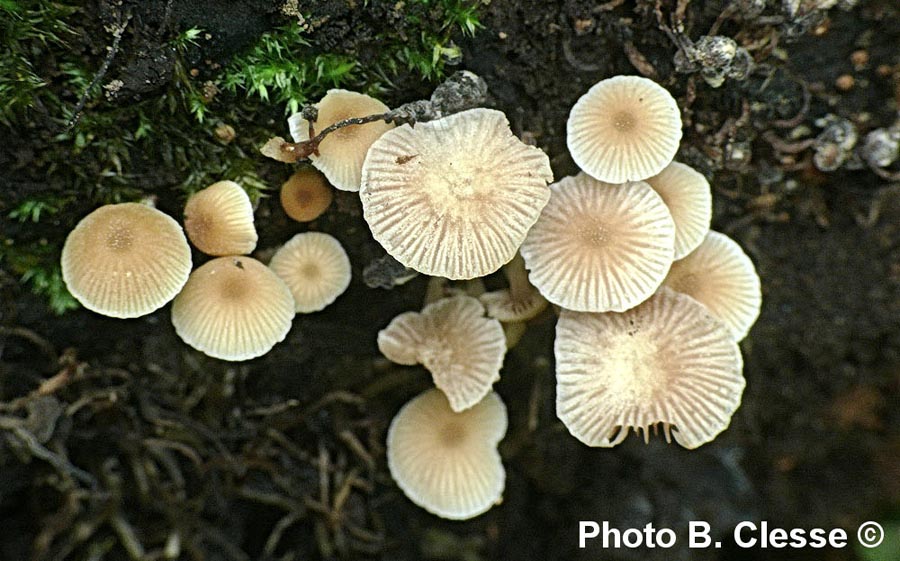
(219, 220)
(720, 276)
(233, 308)
(125, 260)
(625, 128)
(666, 361)
(686, 192)
(306, 195)
(342, 152)
(599, 247)
(316, 269)
(454, 197)
(451, 338)
(447, 462)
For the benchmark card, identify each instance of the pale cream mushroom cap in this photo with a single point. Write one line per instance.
(453, 340)
(454, 197)
(689, 198)
(625, 128)
(219, 220)
(666, 361)
(447, 462)
(719, 275)
(600, 247)
(342, 152)
(306, 195)
(315, 268)
(125, 260)
(233, 308)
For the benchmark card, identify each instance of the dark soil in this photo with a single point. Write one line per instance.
(141, 446)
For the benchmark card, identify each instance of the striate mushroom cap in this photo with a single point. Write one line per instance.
(342, 152)
(600, 247)
(666, 361)
(688, 197)
(219, 220)
(306, 195)
(445, 461)
(454, 197)
(719, 275)
(125, 260)
(315, 268)
(625, 128)
(233, 308)
(453, 340)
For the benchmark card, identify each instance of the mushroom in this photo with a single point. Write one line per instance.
(125, 260)
(625, 128)
(454, 197)
(667, 361)
(315, 268)
(340, 155)
(446, 461)
(719, 275)
(219, 220)
(599, 247)
(453, 340)
(306, 195)
(688, 197)
(233, 308)
(518, 303)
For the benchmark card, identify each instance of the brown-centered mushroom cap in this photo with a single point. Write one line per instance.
(454, 197)
(233, 308)
(453, 340)
(342, 152)
(599, 247)
(687, 194)
(125, 260)
(667, 361)
(315, 268)
(719, 275)
(625, 128)
(446, 461)
(219, 220)
(306, 195)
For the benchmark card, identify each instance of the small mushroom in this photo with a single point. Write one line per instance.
(125, 260)
(625, 128)
(219, 220)
(687, 195)
(306, 195)
(518, 303)
(233, 308)
(315, 268)
(447, 461)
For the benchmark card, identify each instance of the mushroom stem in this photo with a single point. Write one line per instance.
(517, 276)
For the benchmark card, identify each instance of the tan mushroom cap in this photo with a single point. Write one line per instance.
(447, 462)
(454, 197)
(666, 361)
(625, 128)
(719, 275)
(233, 308)
(600, 247)
(453, 340)
(306, 195)
(125, 260)
(315, 268)
(689, 198)
(219, 220)
(342, 152)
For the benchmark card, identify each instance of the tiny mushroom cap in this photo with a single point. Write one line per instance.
(719, 275)
(599, 247)
(689, 198)
(625, 128)
(341, 154)
(453, 340)
(219, 220)
(125, 260)
(306, 195)
(454, 197)
(666, 361)
(516, 304)
(233, 308)
(446, 461)
(316, 269)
